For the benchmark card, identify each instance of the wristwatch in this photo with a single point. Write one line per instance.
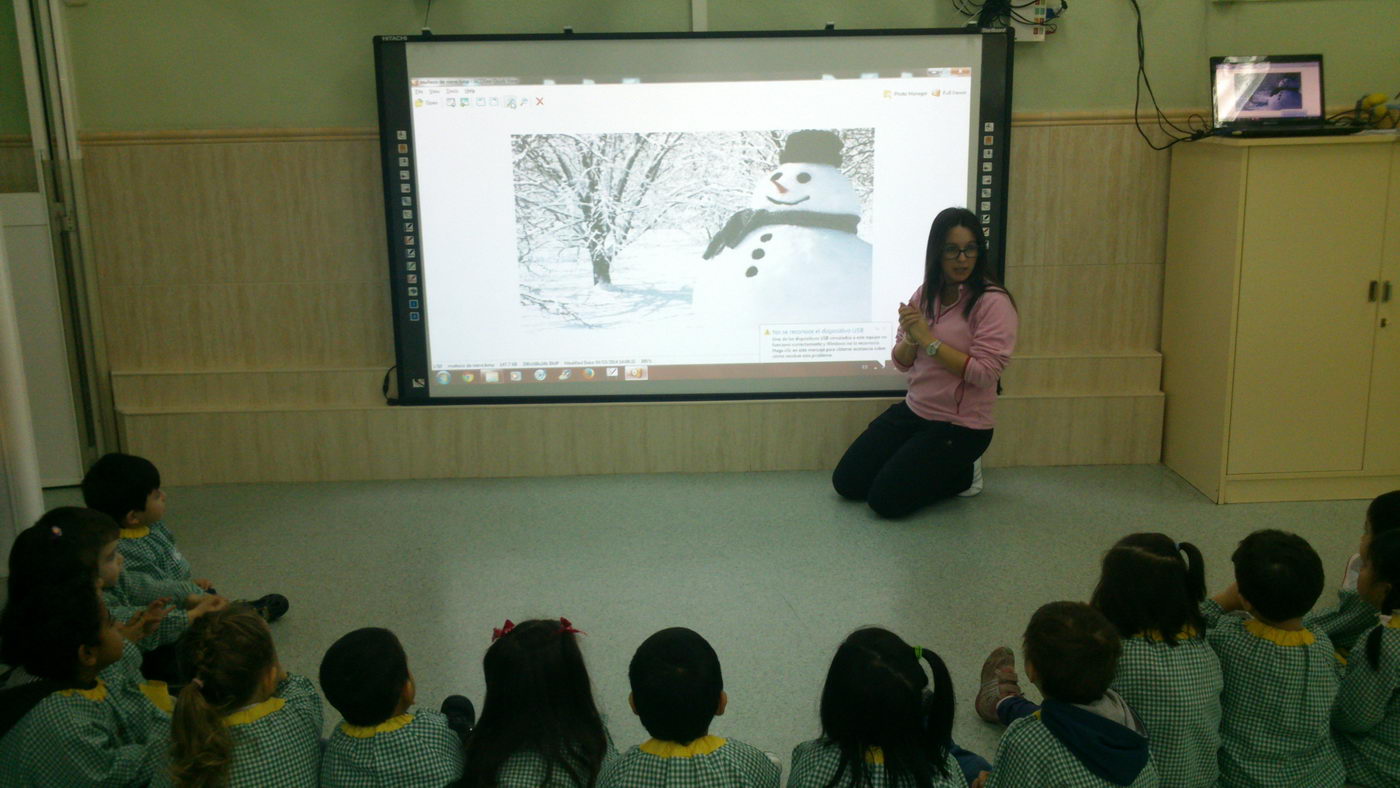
(933, 347)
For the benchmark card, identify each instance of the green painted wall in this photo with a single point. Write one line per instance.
(172, 64)
(14, 117)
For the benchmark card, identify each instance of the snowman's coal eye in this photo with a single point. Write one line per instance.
(776, 176)
(803, 177)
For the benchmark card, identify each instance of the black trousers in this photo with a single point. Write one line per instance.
(903, 462)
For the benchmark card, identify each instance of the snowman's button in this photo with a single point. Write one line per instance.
(752, 272)
(766, 237)
(757, 254)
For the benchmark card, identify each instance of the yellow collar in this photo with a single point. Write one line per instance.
(875, 755)
(1281, 637)
(1188, 633)
(97, 693)
(158, 693)
(367, 731)
(1393, 622)
(136, 533)
(255, 712)
(669, 749)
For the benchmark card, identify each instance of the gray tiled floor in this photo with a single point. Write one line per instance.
(773, 568)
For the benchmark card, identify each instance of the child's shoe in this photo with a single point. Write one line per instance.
(999, 680)
(976, 486)
(271, 607)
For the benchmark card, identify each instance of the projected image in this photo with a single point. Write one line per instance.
(1278, 90)
(750, 227)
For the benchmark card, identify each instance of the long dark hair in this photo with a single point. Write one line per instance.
(982, 279)
(538, 699)
(1383, 555)
(1146, 585)
(877, 695)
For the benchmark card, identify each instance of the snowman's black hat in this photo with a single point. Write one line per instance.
(812, 147)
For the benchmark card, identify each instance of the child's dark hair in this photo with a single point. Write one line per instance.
(676, 684)
(1383, 555)
(43, 631)
(877, 695)
(363, 675)
(1279, 573)
(538, 699)
(1146, 586)
(65, 543)
(1075, 651)
(226, 654)
(120, 483)
(1383, 513)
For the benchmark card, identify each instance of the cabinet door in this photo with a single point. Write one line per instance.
(1383, 424)
(1313, 223)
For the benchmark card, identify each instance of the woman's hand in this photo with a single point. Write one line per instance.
(915, 326)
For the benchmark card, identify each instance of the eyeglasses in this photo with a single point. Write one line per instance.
(952, 252)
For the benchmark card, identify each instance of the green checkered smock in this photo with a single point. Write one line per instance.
(112, 735)
(415, 749)
(1175, 691)
(170, 629)
(1344, 623)
(815, 762)
(1366, 720)
(707, 762)
(276, 743)
(1279, 690)
(154, 567)
(1029, 756)
(530, 770)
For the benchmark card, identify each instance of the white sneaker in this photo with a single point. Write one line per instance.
(976, 480)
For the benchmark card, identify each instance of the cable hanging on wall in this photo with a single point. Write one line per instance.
(1197, 127)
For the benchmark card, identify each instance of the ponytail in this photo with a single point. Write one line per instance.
(202, 749)
(938, 722)
(228, 654)
(1195, 571)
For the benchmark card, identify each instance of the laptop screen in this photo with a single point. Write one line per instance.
(1266, 90)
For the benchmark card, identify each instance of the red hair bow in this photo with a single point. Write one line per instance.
(497, 634)
(566, 627)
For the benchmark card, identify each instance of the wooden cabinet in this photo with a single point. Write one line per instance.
(1280, 357)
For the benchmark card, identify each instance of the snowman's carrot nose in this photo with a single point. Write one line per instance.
(781, 189)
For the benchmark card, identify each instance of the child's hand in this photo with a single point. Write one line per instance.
(208, 603)
(981, 780)
(145, 622)
(203, 583)
(1230, 599)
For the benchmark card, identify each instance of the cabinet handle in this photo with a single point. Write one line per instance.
(1385, 291)
(1371, 290)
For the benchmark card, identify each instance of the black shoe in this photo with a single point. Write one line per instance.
(271, 607)
(461, 714)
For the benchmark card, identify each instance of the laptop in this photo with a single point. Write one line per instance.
(1270, 96)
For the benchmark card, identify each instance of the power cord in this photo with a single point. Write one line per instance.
(384, 387)
(1196, 125)
(427, 31)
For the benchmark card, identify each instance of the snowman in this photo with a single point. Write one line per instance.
(793, 256)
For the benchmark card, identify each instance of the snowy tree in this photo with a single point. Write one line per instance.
(594, 192)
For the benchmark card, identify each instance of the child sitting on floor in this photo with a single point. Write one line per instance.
(365, 677)
(69, 539)
(677, 690)
(882, 724)
(1280, 678)
(539, 725)
(1085, 735)
(1366, 719)
(1352, 616)
(87, 717)
(127, 489)
(1150, 589)
(242, 720)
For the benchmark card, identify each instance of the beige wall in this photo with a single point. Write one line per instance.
(241, 276)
